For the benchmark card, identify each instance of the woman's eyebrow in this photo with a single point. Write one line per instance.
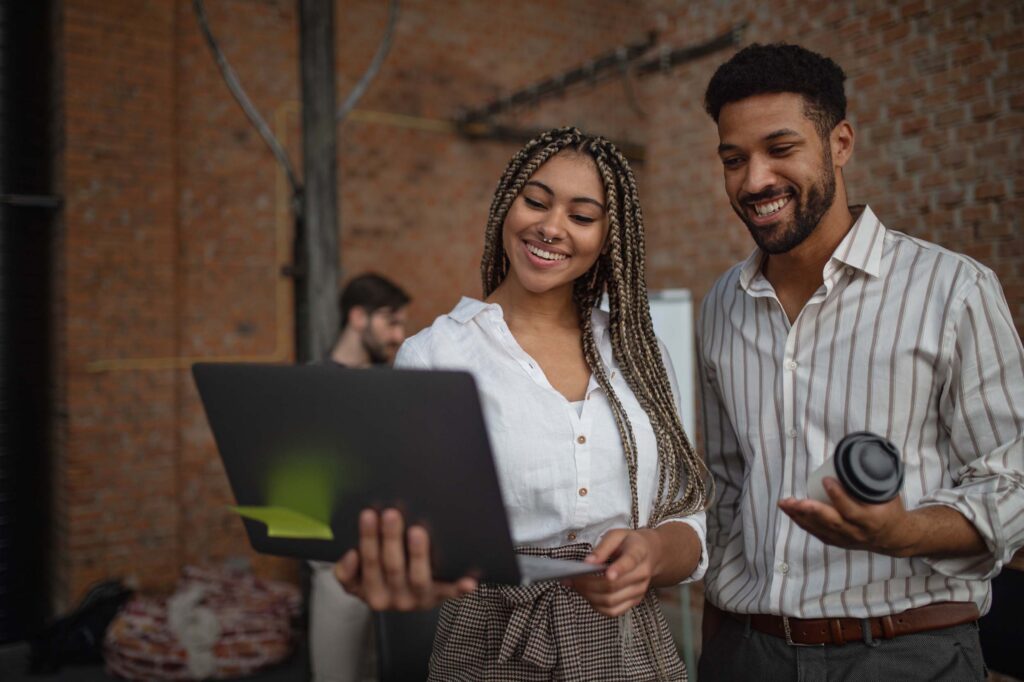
(588, 200)
(544, 187)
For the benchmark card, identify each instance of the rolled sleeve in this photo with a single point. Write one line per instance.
(698, 522)
(982, 409)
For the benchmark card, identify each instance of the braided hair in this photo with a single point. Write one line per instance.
(620, 271)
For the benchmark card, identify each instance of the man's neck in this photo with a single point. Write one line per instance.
(805, 263)
(798, 273)
(349, 351)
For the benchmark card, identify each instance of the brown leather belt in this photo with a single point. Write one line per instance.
(817, 631)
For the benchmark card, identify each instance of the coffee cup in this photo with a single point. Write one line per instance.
(868, 467)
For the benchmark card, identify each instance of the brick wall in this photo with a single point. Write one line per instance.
(176, 223)
(936, 97)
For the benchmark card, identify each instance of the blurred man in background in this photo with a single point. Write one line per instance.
(373, 319)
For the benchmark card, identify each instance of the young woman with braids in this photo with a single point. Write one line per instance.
(582, 413)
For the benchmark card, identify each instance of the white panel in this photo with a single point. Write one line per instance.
(672, 315)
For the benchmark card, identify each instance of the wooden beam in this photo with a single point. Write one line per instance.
(316, 286)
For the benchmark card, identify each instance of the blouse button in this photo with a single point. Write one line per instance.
(571, 536)
(583, 492)
(581, 439)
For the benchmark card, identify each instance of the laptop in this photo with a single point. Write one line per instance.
(307, 447)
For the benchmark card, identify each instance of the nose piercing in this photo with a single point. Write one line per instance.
(546, 240)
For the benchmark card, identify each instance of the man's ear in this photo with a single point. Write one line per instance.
(842, 139)
(358, 319)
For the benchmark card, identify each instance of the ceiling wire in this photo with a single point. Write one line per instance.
(371, 71)
(231, 79)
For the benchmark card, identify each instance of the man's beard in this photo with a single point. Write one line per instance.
(807, 213)
(380, 353)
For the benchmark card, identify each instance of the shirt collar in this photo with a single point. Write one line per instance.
(469, 308)
(861, 248)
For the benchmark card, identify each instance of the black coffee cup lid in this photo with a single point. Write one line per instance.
(869, 467)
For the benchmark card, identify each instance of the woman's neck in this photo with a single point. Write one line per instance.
(524, 309)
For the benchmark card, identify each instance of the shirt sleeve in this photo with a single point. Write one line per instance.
(410, 356)
(721, 450)
(698, 520)
(981, 409)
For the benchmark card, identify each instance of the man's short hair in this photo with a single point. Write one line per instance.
(371, 292)
(761, 69)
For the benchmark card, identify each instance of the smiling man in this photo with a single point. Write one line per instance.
(836, 324)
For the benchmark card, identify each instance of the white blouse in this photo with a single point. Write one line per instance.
(562, 472)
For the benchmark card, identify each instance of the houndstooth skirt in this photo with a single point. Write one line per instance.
(546, 631)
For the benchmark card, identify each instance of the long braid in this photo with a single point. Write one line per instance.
(620, 271)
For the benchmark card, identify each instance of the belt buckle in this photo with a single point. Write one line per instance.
(789, 634)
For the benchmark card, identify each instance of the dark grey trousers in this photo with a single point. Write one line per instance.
(736, 653)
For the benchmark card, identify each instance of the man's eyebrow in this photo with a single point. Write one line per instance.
(781, 132)
(547, 189)
(775, 134)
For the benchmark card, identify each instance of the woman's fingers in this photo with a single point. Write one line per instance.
(392, 543)
(391, 569)
(346, 570)
(625, 564)
(421, 578)
(369, 553)
(618, 602)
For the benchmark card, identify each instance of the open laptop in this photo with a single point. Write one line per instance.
(307, 447)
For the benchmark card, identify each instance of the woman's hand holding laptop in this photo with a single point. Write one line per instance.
(388, 577)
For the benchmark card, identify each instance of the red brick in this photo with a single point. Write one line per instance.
(968, 53)
(880, 19)
(1007, 40)
(949, 117)
(972, 132)
(919, 163)
(989, 190)
(983, 69)
(954, 157)
(913, 9)
(984, 110)
(1010, 123)
(983, 213)
(914, 125)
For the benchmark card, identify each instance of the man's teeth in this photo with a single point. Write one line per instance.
(546, 255)
(770, 207)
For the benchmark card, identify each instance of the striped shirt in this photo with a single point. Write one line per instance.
(905, 339)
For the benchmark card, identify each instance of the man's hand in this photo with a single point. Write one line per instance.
(888, 528)
(882, 528)
(388, 578)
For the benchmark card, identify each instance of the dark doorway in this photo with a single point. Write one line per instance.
(28, 216)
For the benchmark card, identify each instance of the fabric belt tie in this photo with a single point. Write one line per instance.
(540, 629)
(818, 631)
